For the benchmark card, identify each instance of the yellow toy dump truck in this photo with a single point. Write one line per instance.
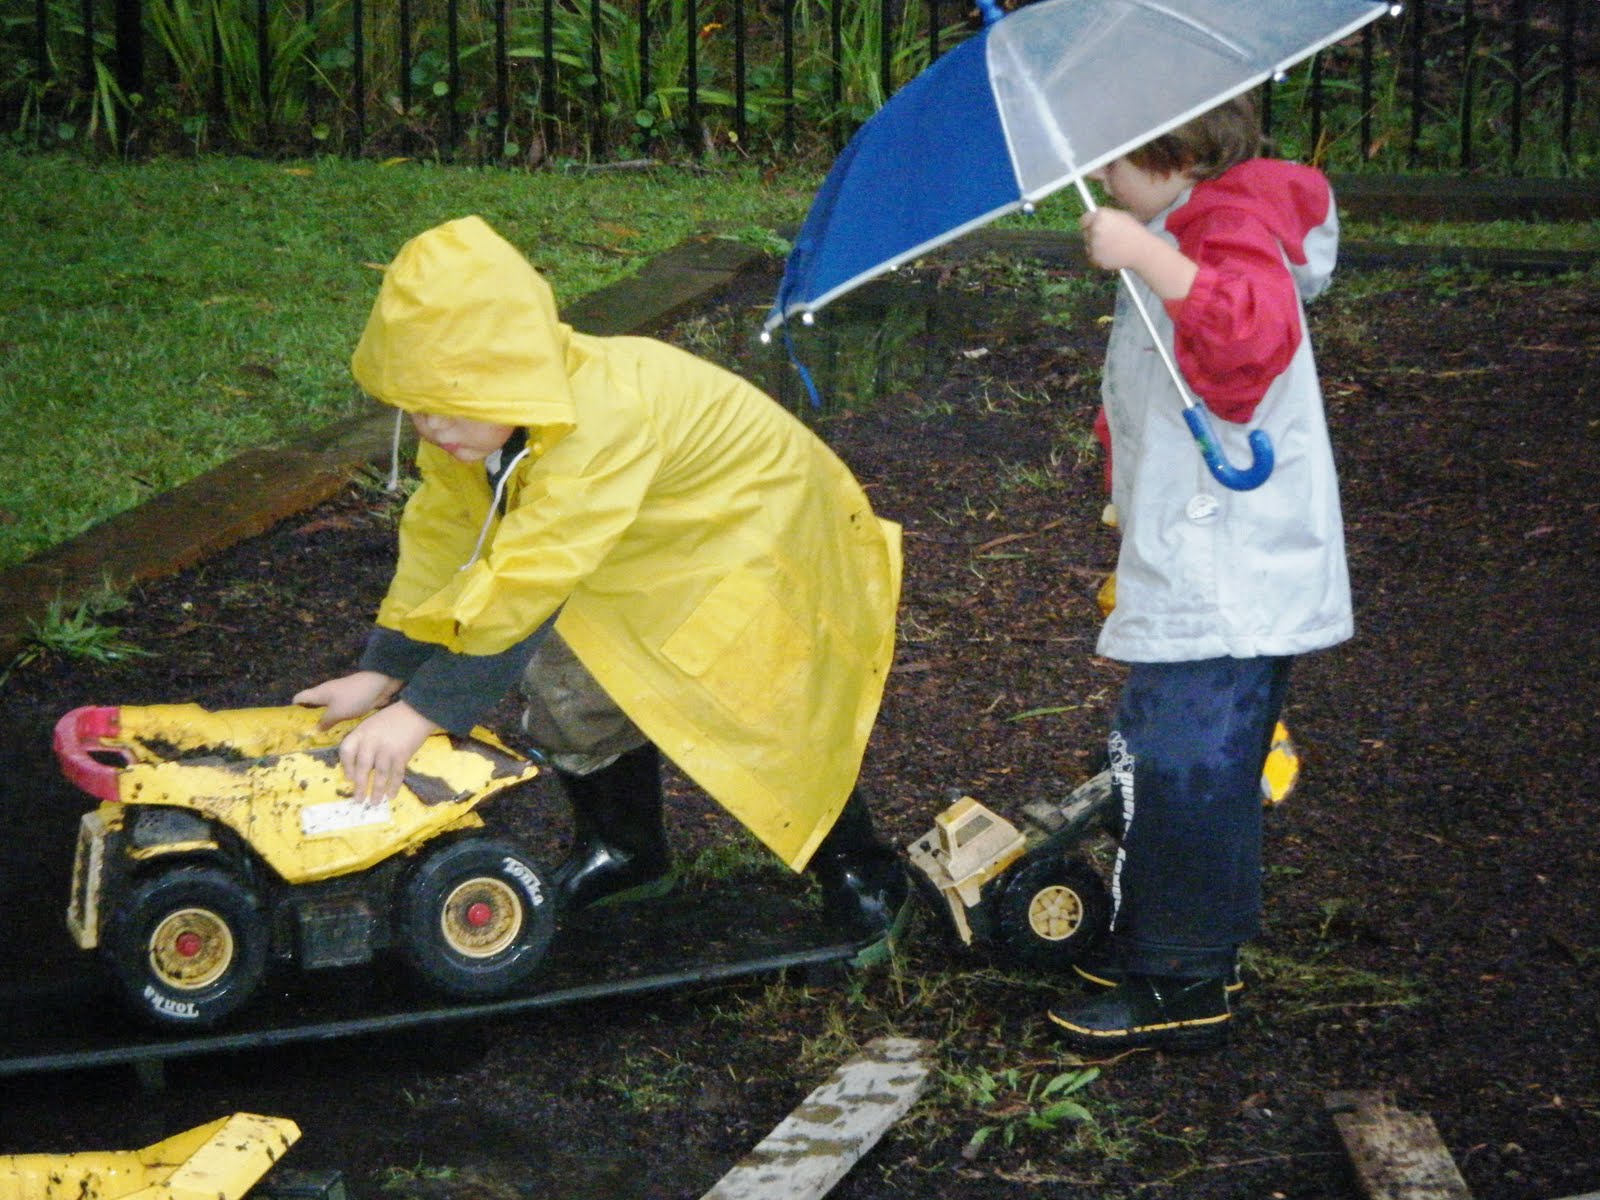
(222, 1160)
(227, 840)
(1029, 894)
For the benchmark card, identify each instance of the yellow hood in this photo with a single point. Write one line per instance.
(464, 327)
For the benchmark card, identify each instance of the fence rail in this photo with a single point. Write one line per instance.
(1489, 86)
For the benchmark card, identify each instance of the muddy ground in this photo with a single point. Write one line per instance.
(1431, 930)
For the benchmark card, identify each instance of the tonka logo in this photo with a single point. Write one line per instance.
(169, 1007)
(530, 881)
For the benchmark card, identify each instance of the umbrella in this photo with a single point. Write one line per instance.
(1030, 104)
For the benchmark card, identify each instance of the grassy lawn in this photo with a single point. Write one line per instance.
(157, 318)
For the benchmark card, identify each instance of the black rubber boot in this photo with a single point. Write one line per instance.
(865, 890)
(1157, 1011)
(1102, 970)
(619, 843)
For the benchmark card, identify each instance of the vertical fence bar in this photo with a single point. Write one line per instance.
(502, 80)
(836, 74)
(1266, 108)
(1519, 60)
(87, 9)
(358, 41)
(691, 14)
(740, 129)
(405, 48)
(788, 73)
(452, 35)
(1316, 108)
(1418, 9)
(311, 78)
(218, 104)
(933, 30)
(646, 90)
(1469, 37)
(41, 40)
(596, 90)
(548, 99)
(1366, 91)
(1569, 75)
(264, 66)
(886, 48)
(130, 46)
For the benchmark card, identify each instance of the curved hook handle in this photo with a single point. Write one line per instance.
(1225, 473)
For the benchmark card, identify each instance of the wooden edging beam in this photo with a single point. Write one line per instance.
(834, 1127)
(1395, 1155)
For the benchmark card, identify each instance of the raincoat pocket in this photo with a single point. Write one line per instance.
(742, 648)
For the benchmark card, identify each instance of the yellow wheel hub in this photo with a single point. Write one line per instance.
(481, 918)
(1055, 913)
(191, 949)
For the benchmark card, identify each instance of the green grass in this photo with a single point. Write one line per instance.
(156, 319)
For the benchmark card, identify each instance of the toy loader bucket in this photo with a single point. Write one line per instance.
(219, 1161)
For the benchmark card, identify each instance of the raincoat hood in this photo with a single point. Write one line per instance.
(464, 327)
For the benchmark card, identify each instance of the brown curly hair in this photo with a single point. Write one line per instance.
(1206, 146)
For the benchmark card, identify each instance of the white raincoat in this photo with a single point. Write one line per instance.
(723, 575)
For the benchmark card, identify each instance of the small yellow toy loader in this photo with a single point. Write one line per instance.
(1029, 895)
(225, 840)
(222, 1160)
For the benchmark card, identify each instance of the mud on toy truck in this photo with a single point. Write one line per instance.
(225, 841)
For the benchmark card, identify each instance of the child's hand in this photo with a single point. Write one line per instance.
(348, 696)
(1114, 239)
(374, 754)
(1117, 241)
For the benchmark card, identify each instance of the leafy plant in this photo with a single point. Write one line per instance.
(76, 632)
(1015, 1101)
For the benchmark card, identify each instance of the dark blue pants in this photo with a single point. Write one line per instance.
(1187, 747)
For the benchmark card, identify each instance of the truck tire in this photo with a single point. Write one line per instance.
(475, 917)
(1051, 910)
(188, 946)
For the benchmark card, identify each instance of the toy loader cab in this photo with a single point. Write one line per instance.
(226, 840)
(1033, 899)
(1030, 895)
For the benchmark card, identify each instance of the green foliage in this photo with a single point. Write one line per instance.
(159, 318)
(76, 632)
(1014, 1101)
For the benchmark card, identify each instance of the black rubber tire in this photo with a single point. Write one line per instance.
(1051, 910)
(475, 917)
(188, 946)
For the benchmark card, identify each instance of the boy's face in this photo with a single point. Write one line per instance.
(1145, 194)
(465, 440)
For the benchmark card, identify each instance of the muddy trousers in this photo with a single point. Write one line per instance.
(1186, 749)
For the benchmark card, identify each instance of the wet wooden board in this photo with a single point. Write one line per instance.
(813, 1148)
(1396, 1155)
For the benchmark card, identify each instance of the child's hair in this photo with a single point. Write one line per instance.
(1206, 146)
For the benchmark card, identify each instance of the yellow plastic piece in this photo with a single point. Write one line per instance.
(222, 1160)
(968, 846)
(1282, 769)
(274, 778)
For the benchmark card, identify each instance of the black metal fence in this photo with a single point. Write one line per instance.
(1494, 86)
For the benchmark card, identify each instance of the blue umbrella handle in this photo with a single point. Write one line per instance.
(1194, 414)
(1225, 473)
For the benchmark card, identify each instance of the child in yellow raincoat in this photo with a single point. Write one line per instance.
(666, 559)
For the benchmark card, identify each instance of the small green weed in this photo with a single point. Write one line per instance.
(1015, 1101)
(647, 1085)
(76, 632)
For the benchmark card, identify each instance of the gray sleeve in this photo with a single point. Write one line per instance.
(451, 690)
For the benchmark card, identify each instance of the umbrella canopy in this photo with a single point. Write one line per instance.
(1032, 103)
(1028, 105)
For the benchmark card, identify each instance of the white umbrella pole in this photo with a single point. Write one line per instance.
(1194, 413)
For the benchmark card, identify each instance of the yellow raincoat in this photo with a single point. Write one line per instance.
(723, 575)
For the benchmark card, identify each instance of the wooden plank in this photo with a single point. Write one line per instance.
(813, 1147)
(1395, 1155)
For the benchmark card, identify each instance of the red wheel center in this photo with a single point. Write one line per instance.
(479, 914)
(188, 944)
